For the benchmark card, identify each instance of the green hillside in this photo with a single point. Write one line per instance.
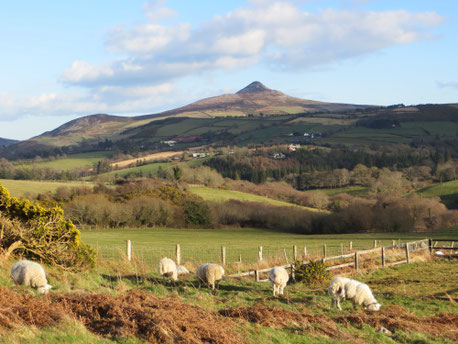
(19, 188)
(221, 195)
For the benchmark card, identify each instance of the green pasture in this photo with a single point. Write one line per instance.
(144, 170)
(204, 245)
(220, 195)
(448, 193)
(71, 162)
(351, 190)
(20, 188)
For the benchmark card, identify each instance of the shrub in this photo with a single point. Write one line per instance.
(313, 273)
(41, 233)
(197, 213)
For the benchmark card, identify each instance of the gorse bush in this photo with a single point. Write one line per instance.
(41, 233)
(312, 273)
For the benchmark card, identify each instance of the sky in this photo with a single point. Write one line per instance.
(61, 60)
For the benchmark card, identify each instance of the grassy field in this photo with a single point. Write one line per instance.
(19, 188)
(140, 171)
(448, 193)
(121, 302)
(351, 190)
(74, 161)
(204, 245)
(220, 195)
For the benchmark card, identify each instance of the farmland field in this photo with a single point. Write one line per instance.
(448, 193)
(219, 195)
(121, 302)
(74, 161)
(19, 188)
(204, 245)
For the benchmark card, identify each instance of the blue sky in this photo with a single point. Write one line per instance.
(65, 59)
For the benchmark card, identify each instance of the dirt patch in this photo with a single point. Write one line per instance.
(154, 156)
(319, 324)
(133, 314)
(444, 325)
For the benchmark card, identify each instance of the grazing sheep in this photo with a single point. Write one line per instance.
(278, 277)
(181, 270)
(360, 294)
(30, 274)
(209, 274)
(168, 268)
(337, 290)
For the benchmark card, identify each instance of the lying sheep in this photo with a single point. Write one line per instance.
(337, 290)
(209, 274)
(342, 288)
(278, 277)
(168, 268)
(182, 270)
(360, 294)
(30, 274)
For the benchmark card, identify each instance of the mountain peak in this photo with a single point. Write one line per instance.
(254, 87)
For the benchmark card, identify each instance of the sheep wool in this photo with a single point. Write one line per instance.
(168, 268)
(278, 277)
(337, 290)
(360, 294)
(209, 274)
(30, 274)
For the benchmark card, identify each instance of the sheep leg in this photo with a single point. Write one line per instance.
(281, 290)
(338, 304)
(332, 302)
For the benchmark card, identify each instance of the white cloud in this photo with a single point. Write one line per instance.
(277, 34)
(448, 84)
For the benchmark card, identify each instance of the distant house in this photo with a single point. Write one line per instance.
(170, 143)
(278, 156)
(293, 146)
(200, 155)
(306, 134)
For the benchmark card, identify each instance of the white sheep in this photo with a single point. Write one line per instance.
(337, 290)
(209, 274)
(30, 274)
(182, 270)
(278, 277)
(168, 268)
(360, 294)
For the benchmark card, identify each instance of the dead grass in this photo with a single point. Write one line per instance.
(394, 318)
(319, 324)
(132, 314)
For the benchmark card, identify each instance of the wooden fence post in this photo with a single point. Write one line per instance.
(256, 275)
(341, 249)
(260, 253)
(240, 258)
(383, 257)
(324, 250)
(178, 254)
(286, 256)
(407, 253)
(356, 261)
(305, 252)
(430, 244)
(394, 243)
(351, 245)
(295, 252)
(375, 243)
(129, 250)
(293, 272)
(223, 255)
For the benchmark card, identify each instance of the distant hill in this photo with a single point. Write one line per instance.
(255, 114)
(6, 142)
(256, 99)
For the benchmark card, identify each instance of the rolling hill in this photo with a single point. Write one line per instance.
(5, 142)
(253, 115)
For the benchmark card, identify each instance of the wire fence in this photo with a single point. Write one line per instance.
(246, 254)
